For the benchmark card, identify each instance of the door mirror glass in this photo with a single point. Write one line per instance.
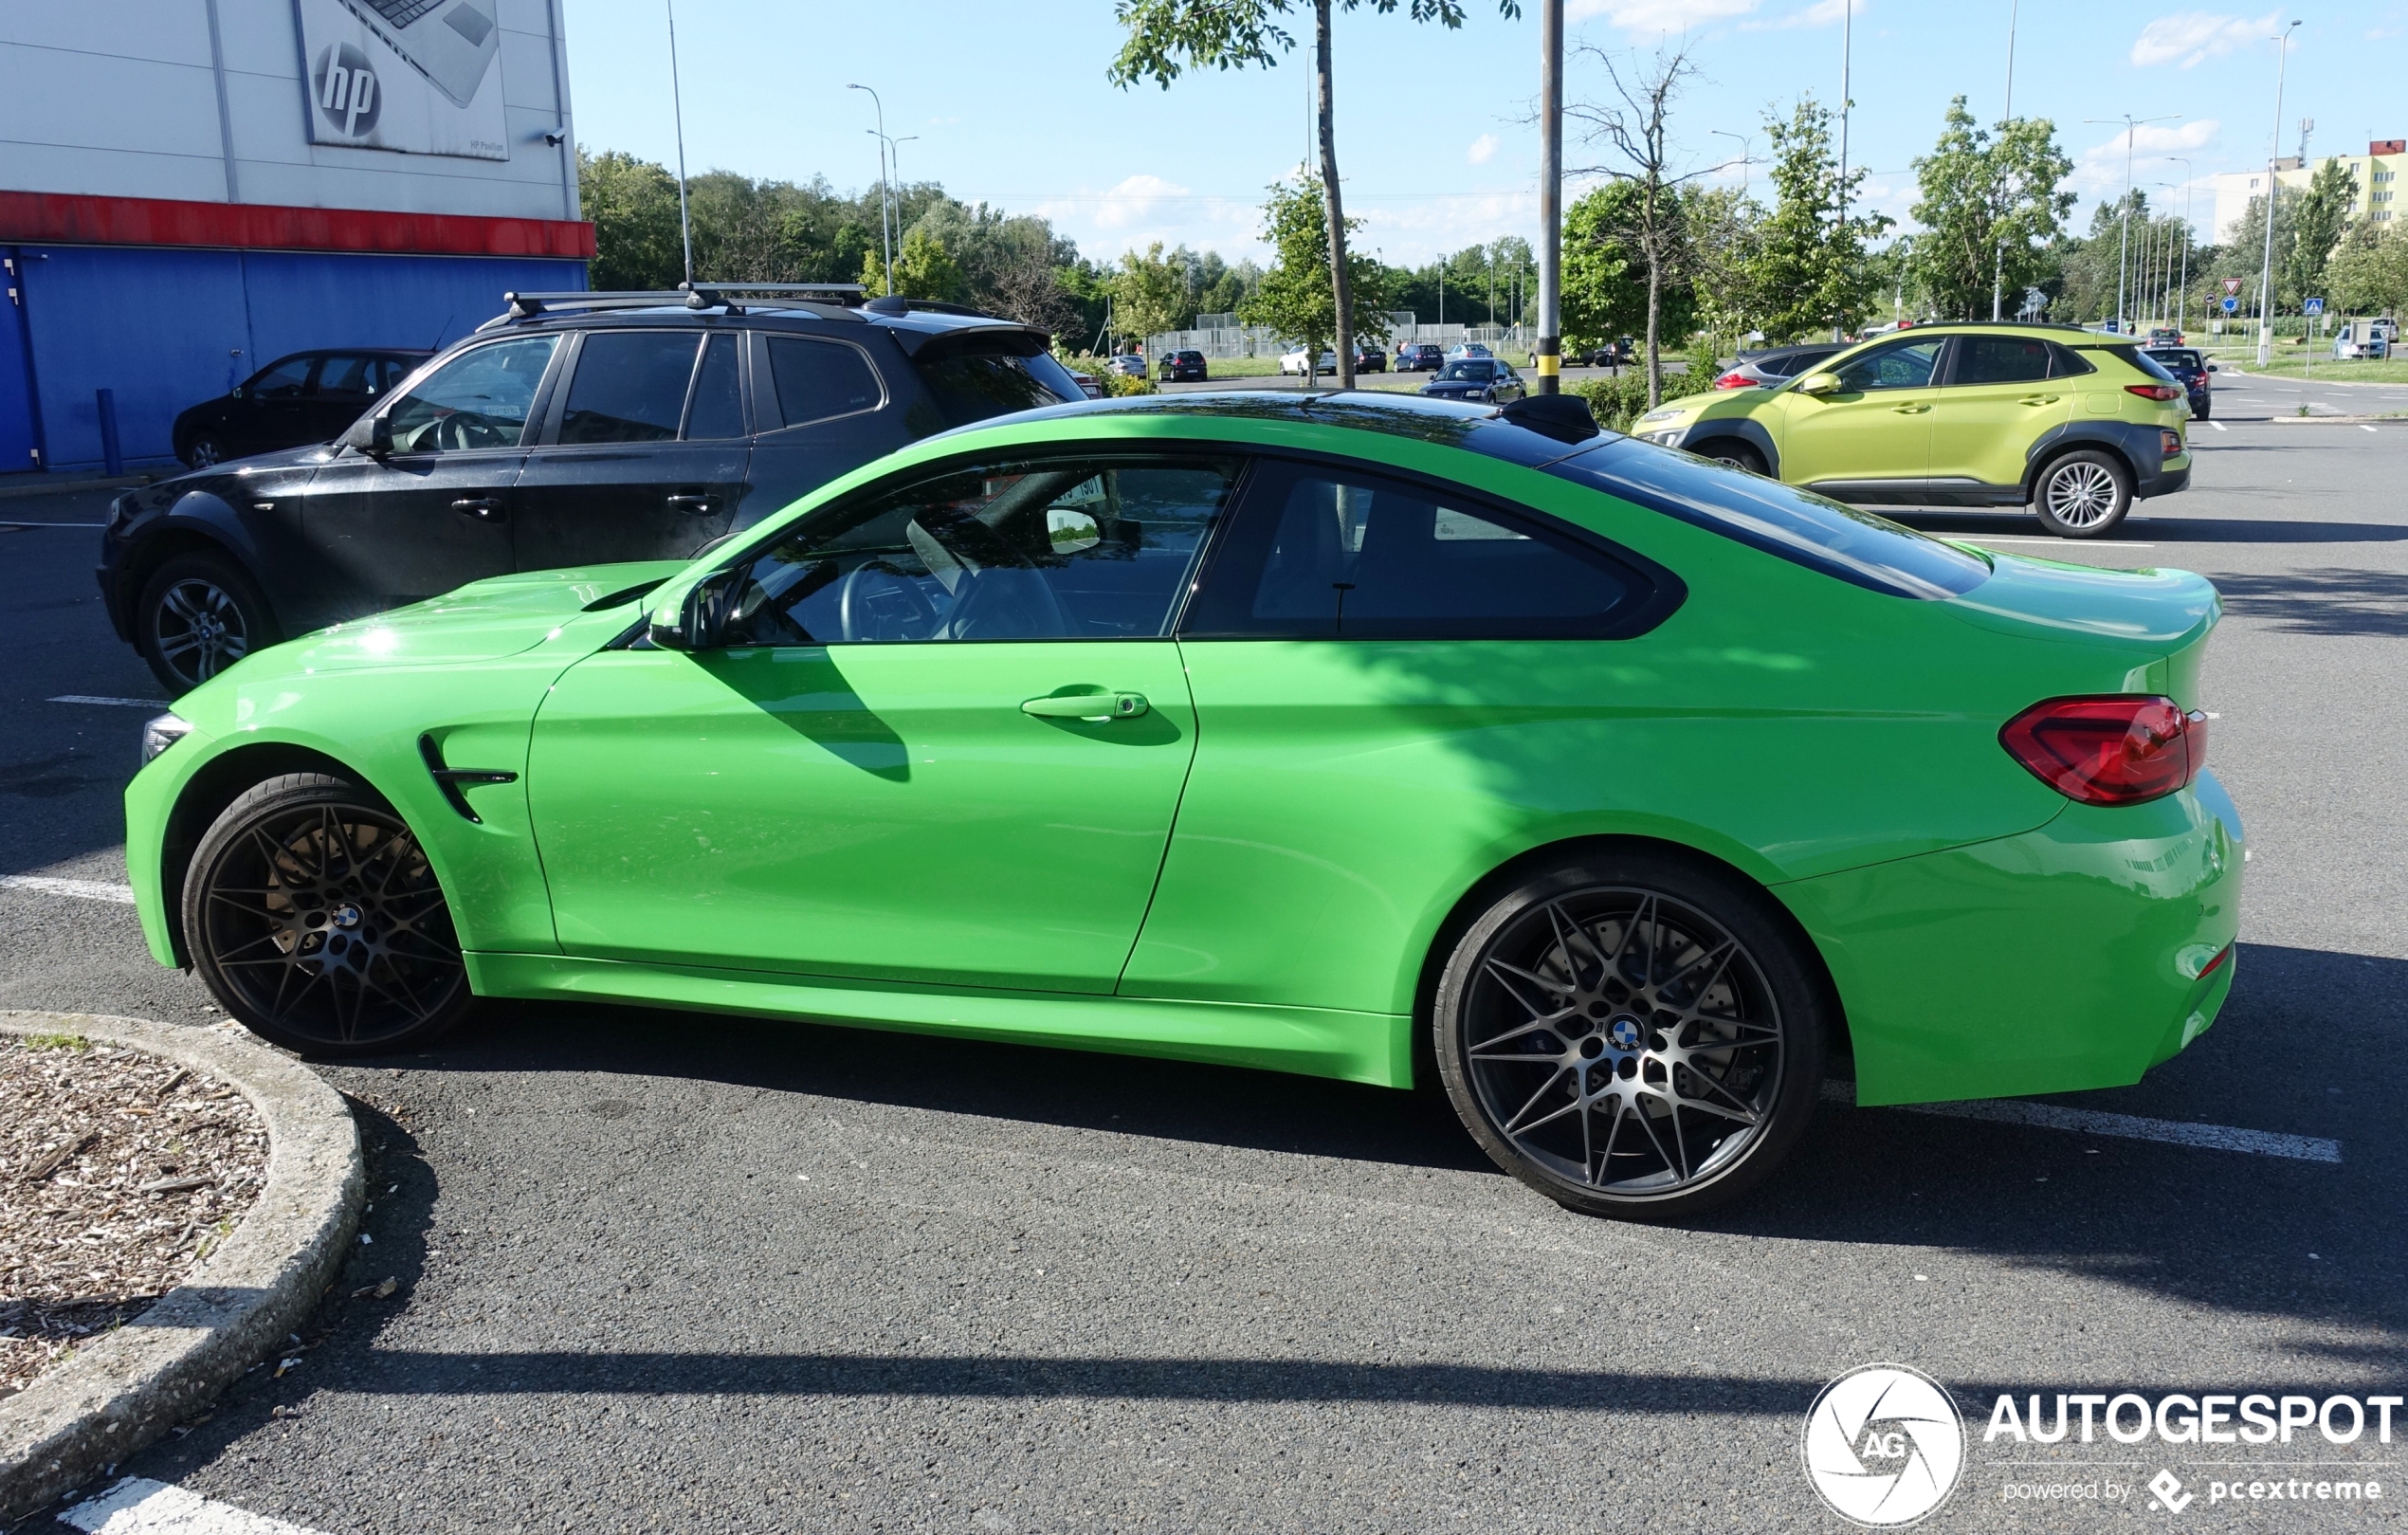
(1819, 384)
(701, 619)
(380, 435)
(1071, 531)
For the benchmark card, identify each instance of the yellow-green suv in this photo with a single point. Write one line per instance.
(2074, 424)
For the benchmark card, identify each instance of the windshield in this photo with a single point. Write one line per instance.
(1479, 372)
(1806, 529)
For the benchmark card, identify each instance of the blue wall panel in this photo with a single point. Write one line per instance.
(167, 328)
(19, 435)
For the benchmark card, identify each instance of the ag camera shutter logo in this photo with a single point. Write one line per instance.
(346, 89)
(1884, 1444)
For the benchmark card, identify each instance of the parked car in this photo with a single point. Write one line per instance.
(2190, 369)
(1556, 829)
(1293, 362)
(2163, 335)
(1469, 349)
(1774, 365)
(1490, 379)
(306, 398)
(2074, 424)
(1371, 360)
(1127, 364)
(1089, 384)
(1420, 357)
(577, 430)
(1182, 367)
(2364, 337)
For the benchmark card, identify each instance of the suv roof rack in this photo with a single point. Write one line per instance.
(728, 295)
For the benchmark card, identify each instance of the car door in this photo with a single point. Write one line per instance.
(272, 412)
(434, 512)
(1998, 399)
(643, 454)
(943, 740)
(1875, 426)
(822, 408)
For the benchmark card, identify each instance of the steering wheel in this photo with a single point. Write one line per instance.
(465, 429)
(856, 595)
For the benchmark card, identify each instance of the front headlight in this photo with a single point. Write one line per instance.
(1659, 415)
(160, 733)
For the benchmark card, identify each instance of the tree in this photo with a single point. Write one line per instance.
(1148, 292)
(1168, 36)
(632, 207)
(2369, 273)
(1296, 297)
(1811, 269)
(1990, 205)
(2317, 222)
(923, 269)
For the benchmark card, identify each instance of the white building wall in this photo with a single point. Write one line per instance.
(118, 97)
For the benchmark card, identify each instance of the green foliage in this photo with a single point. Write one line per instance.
(1604, 281)
(1149, 293)
(2316, 229)
(923, 269)
(1165, 38)
(1615, 400)
(632, 207)
(1810, 273)
(1296, 298)
(73, 1042)
(2369, 273)
(1990, 204)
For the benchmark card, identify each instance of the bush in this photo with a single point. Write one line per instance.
(1115, 385)
(1615, 401)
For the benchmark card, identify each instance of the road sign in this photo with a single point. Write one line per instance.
(2311, 306)
(2232, 284)
(2231, 305)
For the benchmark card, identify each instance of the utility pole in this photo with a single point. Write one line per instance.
(1550, 344)
(1847, 51)
(885, 236)
(2182, 287)
(1998, 243)
(2273, 152)
(677, 104)
(2124, 239)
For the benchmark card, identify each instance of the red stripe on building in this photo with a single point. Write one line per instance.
(64, 218)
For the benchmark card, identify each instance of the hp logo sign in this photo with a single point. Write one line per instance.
(345, 89)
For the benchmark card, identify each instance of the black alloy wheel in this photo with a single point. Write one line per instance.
(204, 450)
(197, 614)
(314, 917)
(1633, 1037)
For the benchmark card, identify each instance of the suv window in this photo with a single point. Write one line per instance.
(1070, 548)
(1337, 553)
(718, 408)
(629, 387)
(478, 399)
(1785, 521)
(817, 381)
(975, 381)
(1906, 365)
(2000, 359)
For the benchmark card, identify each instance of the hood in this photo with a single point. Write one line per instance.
(2160, 610)
(484, 620)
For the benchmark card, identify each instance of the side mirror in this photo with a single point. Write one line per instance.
(701, 619)
(1069, 531)
(370, 434)
(236, 392)
(1819, 384)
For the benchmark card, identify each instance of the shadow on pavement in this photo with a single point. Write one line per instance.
(2331, 600)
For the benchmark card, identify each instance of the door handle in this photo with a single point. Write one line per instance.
(1910, 410)
(2040, 399)
(483, 508)
(1087, 706)
(692, 504)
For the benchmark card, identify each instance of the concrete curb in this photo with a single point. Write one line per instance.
(2338, 420)
(126, 1389)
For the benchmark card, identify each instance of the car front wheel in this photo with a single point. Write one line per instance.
(2083, 495)
(197, 615)
(1738, 455)
(1634, 1036)
(314, 917)
(205, 451)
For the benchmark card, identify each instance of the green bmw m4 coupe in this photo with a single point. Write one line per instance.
(1375, 738)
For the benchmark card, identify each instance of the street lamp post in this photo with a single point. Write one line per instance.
(1997, 243)
(677, 104)
(2123, 241)
(1746, 155)
(1847, 53)
(886, 238)
(2273, 152)
(2182, 287)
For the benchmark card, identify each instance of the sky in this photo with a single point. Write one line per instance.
(1438, 140)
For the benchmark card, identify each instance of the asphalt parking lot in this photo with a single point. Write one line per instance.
(663, 1272)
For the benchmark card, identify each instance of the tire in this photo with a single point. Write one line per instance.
(205, 449)
(314, 917)
(2083, 495)
(2203, 412)
(1737, 454)
(197, 614)
(1571, 1084)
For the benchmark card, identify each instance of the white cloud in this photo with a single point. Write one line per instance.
(1483, 150)
(1821, 14)
(2193, 37)
(1653, 16)
(1132, 201)
(2100, 167)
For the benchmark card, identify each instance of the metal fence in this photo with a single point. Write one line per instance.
(1234, 340)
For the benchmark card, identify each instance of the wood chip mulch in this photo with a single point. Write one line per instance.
(118, 1173)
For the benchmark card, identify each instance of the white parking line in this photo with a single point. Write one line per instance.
(140, 1506)
(82, 889)
(120, 702)
(2217, 424)
(2362, 426)
(1974, 538)
(2125, 1126)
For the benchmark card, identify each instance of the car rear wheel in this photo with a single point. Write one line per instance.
(2083, 495)
(204, 450)
(1738, 455)
(312, 915)
(2201, 413)
(1632, 1037)
(197, 615)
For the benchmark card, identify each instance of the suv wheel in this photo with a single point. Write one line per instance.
(198, 616)
(1632, 1036)
(2083, 495)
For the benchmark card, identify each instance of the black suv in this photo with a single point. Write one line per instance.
(578, 428)
(304, 398)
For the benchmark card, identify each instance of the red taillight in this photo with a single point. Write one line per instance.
(2154, 392)
(2121, 749)
(1735, 380)
(2217, 964)
(2169, 444)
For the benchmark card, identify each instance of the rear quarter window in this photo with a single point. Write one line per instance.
(973, 384)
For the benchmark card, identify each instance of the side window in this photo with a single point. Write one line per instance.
(819, 379)
(2070, 363)
(388, 372)
(1331, 556)
(2001, 360)
(1907, 366)
(629, 387)
(284, 380)
(478, 399)
(1052, 549)
(718, 410)
(349, 377)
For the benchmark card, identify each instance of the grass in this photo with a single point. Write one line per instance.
(2325, 369)
(75, 1042)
